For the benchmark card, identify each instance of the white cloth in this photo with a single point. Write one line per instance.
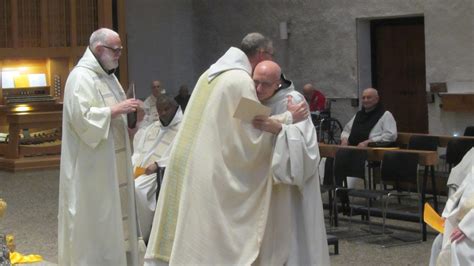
(151, 144)
(384, 130)
(460, 171)
(97, 217)
(458, 212)
(151, 114)
(456, 177)
(215, 197)
(295, 233)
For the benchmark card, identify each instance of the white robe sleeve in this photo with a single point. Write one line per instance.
(91, 123)
(296, 154)
(466, 225)
(385, 129)
(347, 129)
(284, 118)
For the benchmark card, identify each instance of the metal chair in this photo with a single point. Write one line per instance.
(347, 162)
(456, 150)
(396, 168)
(328, 185)
(160, 174)
(426, 143)
(469, 131)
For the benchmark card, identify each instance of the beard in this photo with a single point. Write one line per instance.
(108, 62)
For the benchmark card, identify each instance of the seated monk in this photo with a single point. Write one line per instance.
(371, 124)
(152, 145)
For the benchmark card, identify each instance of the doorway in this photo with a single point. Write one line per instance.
(398, 70)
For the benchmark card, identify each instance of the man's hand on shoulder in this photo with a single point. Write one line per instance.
(299, 111)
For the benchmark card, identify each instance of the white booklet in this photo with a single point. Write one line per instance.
(247, 109)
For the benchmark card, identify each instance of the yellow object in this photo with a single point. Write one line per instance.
(21, 81)
(3, 207)
(139, 171)
(16, 258)
(10, 242)
(432, 218)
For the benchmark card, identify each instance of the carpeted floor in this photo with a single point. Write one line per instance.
(32, 199)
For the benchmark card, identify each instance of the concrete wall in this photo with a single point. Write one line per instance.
(160, 43)
(323, 45)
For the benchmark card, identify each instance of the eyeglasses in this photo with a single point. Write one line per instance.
(115, 50)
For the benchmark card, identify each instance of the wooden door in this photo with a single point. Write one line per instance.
(398, 70)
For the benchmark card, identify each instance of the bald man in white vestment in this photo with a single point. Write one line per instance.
(151, 149)
(97, 217)
(295, 233)
(456, 245)
(149, 105)
(215, 197)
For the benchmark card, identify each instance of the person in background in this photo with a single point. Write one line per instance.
(149, 105)
(316, 100)
(183, 97)
(371, 124)
(151, 149)
(97, 221)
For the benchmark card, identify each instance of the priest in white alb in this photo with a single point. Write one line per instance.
(151, 149)
(97, 216)
(295, 233)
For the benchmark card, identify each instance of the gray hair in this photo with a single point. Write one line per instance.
(165, 100)
(254, 41)
(99, 37)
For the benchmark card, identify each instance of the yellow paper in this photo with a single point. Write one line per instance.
(21, 81)
(247, 109)
(432, 218)
(139, 171)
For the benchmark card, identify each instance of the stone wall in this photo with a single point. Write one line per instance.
(323, 45)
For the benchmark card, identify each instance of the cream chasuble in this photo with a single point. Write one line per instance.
(97, 217)
(214, 201)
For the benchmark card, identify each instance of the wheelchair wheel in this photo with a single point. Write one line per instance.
(330, 130)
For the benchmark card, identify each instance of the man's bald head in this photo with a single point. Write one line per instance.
(156, 88)
(370, 98)
(308, 90)
(267, 79)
